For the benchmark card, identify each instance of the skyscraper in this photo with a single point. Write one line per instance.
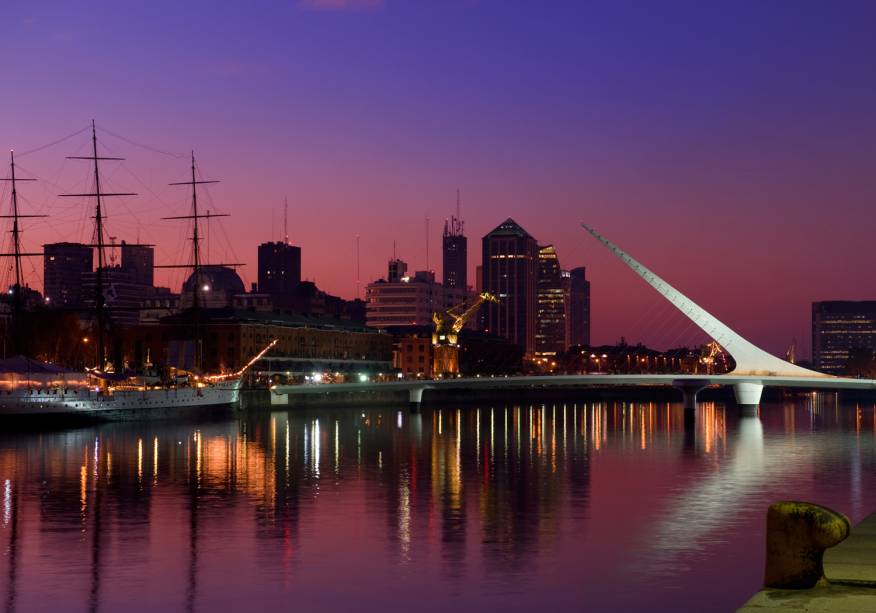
(279, 268)
(63, 267)
(579, 307)
(455, 251)
(838, 328)
(510, 272)
(550, 318)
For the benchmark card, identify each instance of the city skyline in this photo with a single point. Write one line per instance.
(713, 168)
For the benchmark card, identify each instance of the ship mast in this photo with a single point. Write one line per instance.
(17, 305)
(196, 264)
(99, 298)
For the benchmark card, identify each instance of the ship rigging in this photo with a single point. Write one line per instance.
(17, 323)
(196, 265)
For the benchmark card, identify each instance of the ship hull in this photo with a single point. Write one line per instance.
(65, 405)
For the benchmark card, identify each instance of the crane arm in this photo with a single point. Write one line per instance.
(461, 319)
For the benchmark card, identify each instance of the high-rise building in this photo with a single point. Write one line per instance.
(279, 268)
(838, 328)
(579, 307)
(63, 267)
(551, 302)
(510, 272)
(138, 261)
(455, 252)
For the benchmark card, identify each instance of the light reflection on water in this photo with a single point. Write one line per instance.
(571, 505)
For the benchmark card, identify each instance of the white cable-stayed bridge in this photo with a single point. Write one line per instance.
(755, 368)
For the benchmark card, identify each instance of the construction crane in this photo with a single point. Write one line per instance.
(709, 356)
(445, 337)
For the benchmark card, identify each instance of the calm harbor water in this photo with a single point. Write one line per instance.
(575, 506)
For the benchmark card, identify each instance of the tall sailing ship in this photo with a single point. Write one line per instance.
(30, 387)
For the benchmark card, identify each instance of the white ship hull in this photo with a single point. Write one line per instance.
(118, 404)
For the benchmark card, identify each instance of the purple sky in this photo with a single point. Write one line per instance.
(731, 147)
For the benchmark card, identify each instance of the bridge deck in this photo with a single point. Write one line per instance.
(825, 382)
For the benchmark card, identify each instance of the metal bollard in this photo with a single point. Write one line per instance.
(797, 535)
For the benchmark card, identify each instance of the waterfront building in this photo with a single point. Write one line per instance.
(839, 328)
(412, 356)
(253, 301)
(408, 301)
(510, 272)
(231, 338)
(579, 307)
(159, 302)
(64, 264)
(551, 334)
(138, 261)
(279, 266)
(480, 354)
(455, 254)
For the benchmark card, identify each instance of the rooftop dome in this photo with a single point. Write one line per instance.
(218, 285)
(216, 279)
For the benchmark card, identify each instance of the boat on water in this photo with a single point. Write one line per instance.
(32, 388)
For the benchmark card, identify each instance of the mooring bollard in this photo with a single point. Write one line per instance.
(797, 535)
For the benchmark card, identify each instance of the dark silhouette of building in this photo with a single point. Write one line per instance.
(279, 268)
(139, 262)
(231, 338)
(123, 298)
(551, 304)
(579, 307)
(455, 252)
(308, 299)
(63, 267)
(510, 272)
(840, 327)
(397, 270)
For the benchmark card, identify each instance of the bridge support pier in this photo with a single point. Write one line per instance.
(689, 390)
(415, 399)
(689, 396)
(748, 397)
(278, 398)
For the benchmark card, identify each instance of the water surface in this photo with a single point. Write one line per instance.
(567, 506)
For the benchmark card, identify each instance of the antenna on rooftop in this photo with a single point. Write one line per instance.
(454, 226)
(286, 220)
